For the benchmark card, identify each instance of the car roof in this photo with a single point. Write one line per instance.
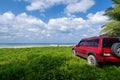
(98, 37)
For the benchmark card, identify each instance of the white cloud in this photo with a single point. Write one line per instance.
(79, 6)
(42, 4)
(72, 6)
(33, 29)
(66, 24)
(28, 27)
(20, 25)
(97, 18)
(71, 24)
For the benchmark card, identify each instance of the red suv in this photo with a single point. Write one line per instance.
(98, 49)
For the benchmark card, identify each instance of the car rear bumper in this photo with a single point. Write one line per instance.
(111, 59)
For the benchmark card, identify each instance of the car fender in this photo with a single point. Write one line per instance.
(91, 53)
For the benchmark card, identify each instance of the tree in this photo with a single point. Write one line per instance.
(112, 27)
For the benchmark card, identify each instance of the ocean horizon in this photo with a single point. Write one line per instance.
(34, 44)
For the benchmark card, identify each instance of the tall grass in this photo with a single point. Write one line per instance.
(50, 63)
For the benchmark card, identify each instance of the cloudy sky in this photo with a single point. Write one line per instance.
(51, 21)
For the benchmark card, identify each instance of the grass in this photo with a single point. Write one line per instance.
(50, 63)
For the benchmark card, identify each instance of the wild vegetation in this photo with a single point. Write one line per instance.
(112, 27)
(50, 63)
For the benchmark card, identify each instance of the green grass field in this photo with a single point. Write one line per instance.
(50, 63)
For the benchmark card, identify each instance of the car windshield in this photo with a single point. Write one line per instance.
(108, 42)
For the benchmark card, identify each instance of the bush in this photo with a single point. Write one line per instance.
(50, 63)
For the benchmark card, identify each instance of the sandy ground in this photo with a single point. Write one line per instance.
(34, 46)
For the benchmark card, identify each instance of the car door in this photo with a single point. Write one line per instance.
(92, 46)
(89, 46)
(81, 48)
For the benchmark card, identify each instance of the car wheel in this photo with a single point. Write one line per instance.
(116, 49)
(74, 52)
(92, 60)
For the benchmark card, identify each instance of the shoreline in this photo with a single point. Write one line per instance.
(35, 46)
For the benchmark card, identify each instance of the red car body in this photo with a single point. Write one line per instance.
(99, 47)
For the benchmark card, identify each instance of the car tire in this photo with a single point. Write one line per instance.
(92, 60)
(74, 52)
(116, 49)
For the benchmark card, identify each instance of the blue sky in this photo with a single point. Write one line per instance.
(51, 21)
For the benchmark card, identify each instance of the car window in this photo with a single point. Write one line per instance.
(89, 43)
(108, 42)
(81, 43)
(96, 42)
